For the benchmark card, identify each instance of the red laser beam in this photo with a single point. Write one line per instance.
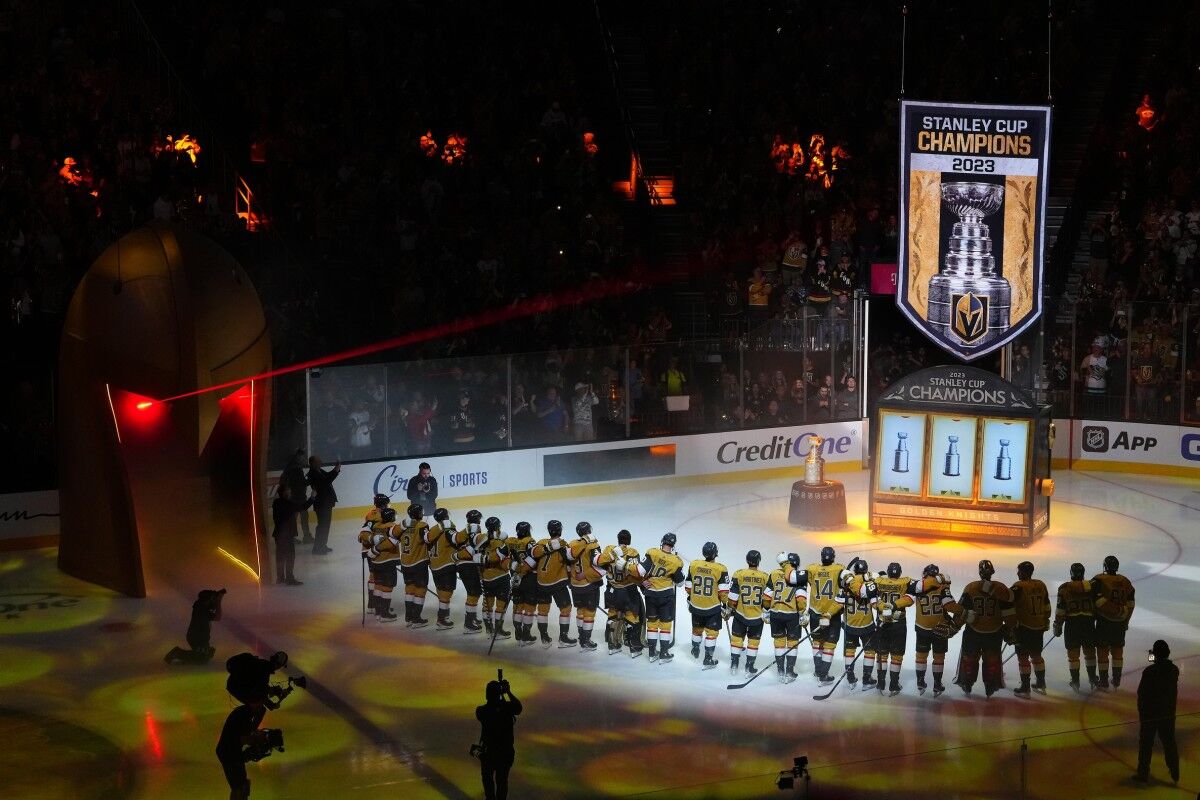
(540, 304)
(152, 735)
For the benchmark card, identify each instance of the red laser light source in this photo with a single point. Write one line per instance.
(541, 304)
(142, 406)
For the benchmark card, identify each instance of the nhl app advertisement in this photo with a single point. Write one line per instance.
(972, 215)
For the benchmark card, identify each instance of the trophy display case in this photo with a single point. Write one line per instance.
(960, 453)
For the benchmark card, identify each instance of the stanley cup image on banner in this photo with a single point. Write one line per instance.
(972, 215)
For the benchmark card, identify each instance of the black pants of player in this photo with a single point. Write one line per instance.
(235, 776)
(1165, 731)
(324, 520)
(494, 767)
(302, 516)
(285, 558)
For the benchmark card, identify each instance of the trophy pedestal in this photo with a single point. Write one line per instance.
(818, 507)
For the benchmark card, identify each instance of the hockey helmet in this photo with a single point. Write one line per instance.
(893, 570)
(387, 515)
(473, 516)
(931, 571)
(709, 551)
(524, 529)
(753, 558)
(828, 556)
(415, 511)
(860, 566)
(554, 528)
(441, 514)
(794, 560)
(583, 528)
(782, 558)
(492, 524)
(669, 539)
(1077, 571)
(1025, 570)
(381, 501)
(624, 537)
(986, 570)
(1111, 565)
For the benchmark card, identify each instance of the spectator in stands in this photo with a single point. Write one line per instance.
(419, 421)
(1093, 373)
(846, 400)
(361, 427)
(551, 414)
(758, 299)
(673, 382)
(1147, 376)
(773, 415)
(462, 422)
(822, 407)
(582, 412)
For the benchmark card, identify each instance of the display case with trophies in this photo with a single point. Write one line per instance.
(960, 453)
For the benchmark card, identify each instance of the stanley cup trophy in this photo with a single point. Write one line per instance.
(969, 302)
(817, 503)
(953, 460)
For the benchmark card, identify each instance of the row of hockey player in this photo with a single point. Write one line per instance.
(868, 610)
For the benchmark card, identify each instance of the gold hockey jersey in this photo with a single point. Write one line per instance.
(583, 570)
(750, 592)
(441, 546)
(933, 601)
(619, 577)
(661, 569)
(552, 557)
(1074, 600)
(1113, 595)
(385, 546)
(857, 603)
(824, 593)
(894, 593)
(707, 584)
(494, 559)
(1031, 603)
(992, 608)
(788, 594)
(518, 549)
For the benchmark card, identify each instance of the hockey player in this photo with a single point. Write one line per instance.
(552, 559)
(750, 595)
(441, 564)
(789, 600)
(933, 624)
(525, 599)
(894, 594)
(824, 610)
(380, 502)
(707, 589)
(585, 583)
(466, 543)
(1075, 621)
(660, 570)
(621, 597)
(858, 626)
(986, 608)
(494, 568)
(383, 557)
(414, 565)
(1031, 602)
(1113, 595)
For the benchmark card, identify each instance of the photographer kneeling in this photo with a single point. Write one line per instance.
(495, 750)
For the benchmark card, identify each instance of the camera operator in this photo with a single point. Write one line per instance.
(205, 611)
(497, 754)
(249, 677)
(239, 731)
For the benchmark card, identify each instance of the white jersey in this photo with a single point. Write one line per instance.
(1095, 369)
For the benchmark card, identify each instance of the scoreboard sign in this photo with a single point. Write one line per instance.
(960, 453)
(972, 215)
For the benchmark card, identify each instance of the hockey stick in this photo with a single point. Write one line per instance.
(850, 667)
(765, 671)
(1014, 652)
(364, 571)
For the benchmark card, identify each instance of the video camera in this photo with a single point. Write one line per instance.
(787, 778)
(265, 741)
(277, 693)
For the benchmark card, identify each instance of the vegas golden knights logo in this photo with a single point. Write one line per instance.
(970, 316)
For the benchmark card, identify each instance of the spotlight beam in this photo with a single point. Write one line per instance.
(540, 304)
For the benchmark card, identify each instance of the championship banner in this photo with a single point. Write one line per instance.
(972, 221)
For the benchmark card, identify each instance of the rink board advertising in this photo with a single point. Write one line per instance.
(960, 453)
(972, 214)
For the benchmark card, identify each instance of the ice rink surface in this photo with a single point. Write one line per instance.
(88, 709)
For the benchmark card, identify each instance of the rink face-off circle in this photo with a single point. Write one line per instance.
(391, 706)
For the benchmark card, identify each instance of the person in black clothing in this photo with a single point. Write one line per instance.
(324, 499)
(205, 611)
(1156, 712)
(497, 719)
(239, 730)
(423, 488)
(293, 477)
(249, 678)
(284, 511)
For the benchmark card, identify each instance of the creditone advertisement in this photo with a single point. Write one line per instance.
(514, 471)
(972, 216)
(28, 517)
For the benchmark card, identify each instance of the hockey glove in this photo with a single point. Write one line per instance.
(824, 623)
